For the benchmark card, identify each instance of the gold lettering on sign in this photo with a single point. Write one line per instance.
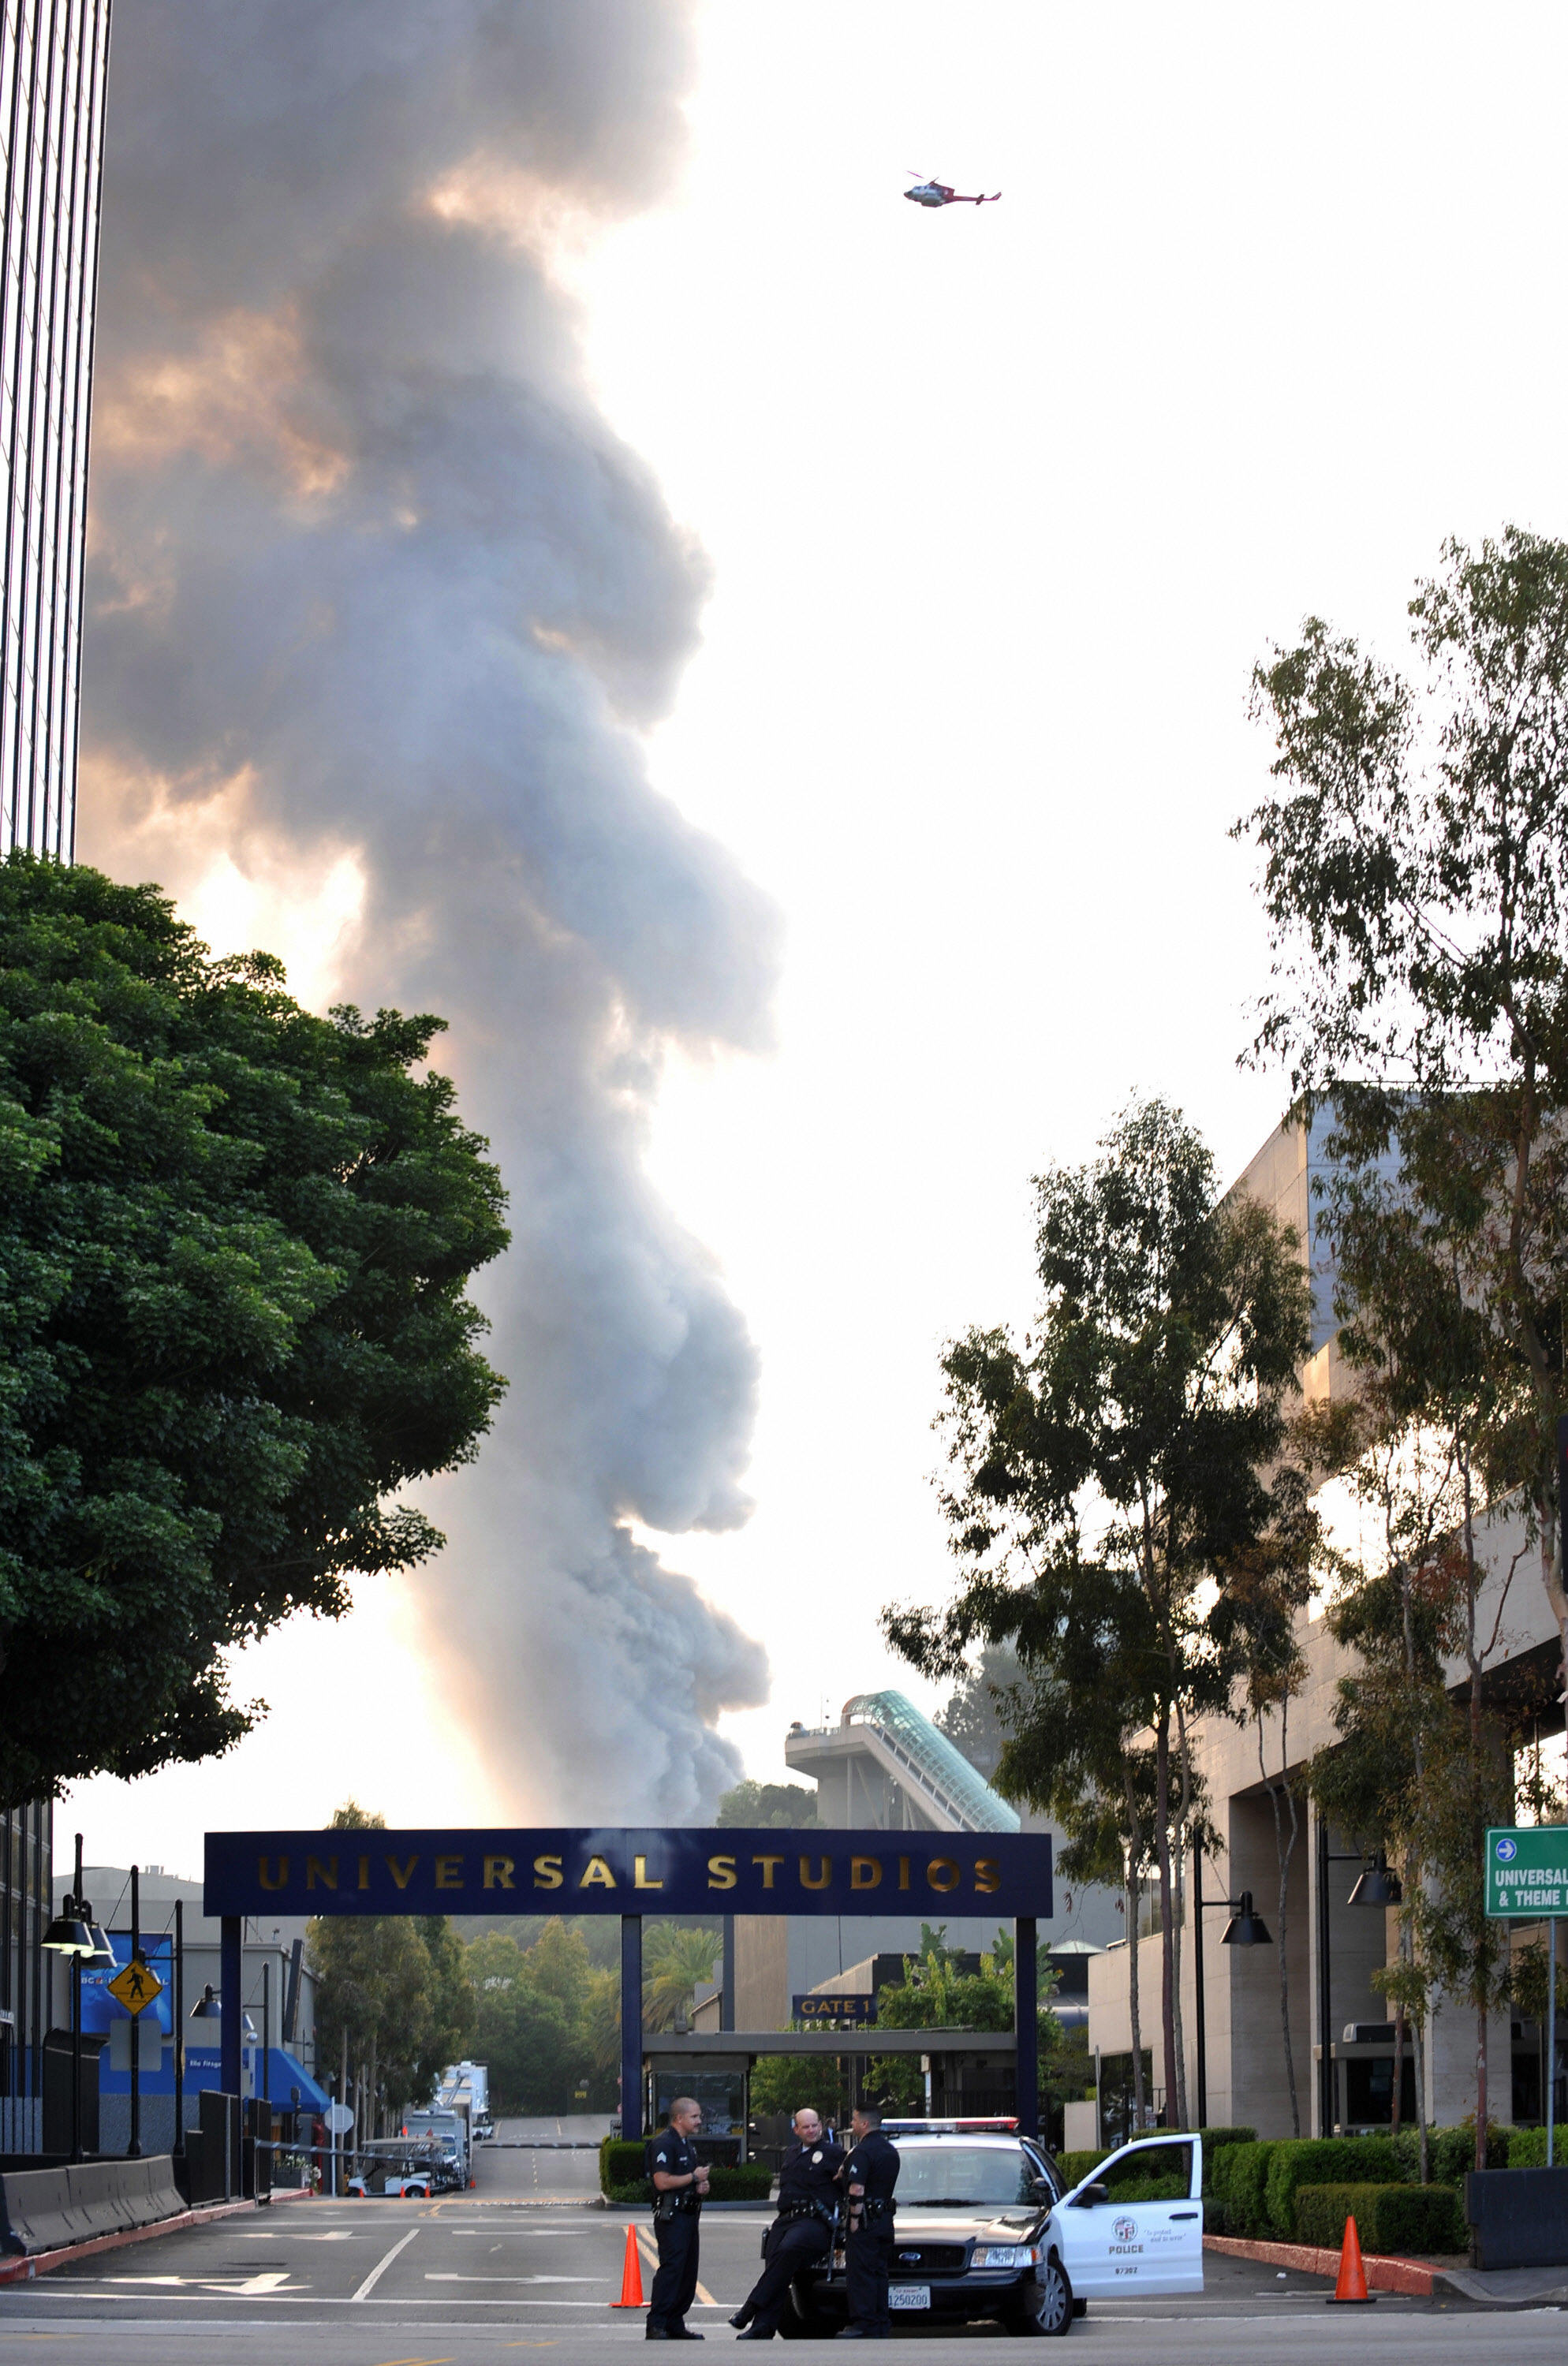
(365, 1872)
(770, 1866)
(721, 1873)
(903, 1873)
(639, 1876)
(987, 1874)
(499, 1871)
(823, 1877)
(315, 1870)
(865, 1872)
(449, 1873)
(401, 1874)
(548, 1874)
(267, 1881)
(943, 1874)
(598, 1875)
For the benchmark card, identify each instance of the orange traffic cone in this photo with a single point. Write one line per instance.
(631, 2276)
(1352, 2283)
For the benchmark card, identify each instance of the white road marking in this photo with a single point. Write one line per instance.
(379, 2270)
(448, 2276)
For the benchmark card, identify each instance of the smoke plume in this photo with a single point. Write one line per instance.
(372, 581)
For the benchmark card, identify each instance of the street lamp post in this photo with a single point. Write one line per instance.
(1377, 1888)
(178, 2018)
(1245, 1929)
(133, 2149)
(72, 1932)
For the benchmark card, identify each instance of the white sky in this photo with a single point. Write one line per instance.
(1003, 505)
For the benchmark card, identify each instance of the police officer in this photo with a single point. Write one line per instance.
(680, 2181)
(803, 2231)
(870, 2174)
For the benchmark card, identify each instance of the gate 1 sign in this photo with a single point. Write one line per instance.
(1527, 1871)
(606, 1871)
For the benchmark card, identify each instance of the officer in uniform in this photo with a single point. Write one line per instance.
(803, 2231)
(870, 2174)
(680, 2181)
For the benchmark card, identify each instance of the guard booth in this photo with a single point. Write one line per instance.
(636, 1871)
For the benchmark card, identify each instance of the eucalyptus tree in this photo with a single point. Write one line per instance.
(1120, 1454)
(1416, 880)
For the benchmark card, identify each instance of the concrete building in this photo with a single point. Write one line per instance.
(53, 72)
(1341, 2036)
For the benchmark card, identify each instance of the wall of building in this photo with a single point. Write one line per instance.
(53, 72)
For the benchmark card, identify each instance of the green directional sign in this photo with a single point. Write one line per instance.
(1527, 1871)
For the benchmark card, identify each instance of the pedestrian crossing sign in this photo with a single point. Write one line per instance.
(136, 1987)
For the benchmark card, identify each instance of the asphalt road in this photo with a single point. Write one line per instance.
(522, 2264)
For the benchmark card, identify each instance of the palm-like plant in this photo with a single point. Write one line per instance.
(674, 1961)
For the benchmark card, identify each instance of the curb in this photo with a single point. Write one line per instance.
(39, 2263)
(1384, 2273)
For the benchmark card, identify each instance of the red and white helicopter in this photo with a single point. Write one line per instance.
(937, 192)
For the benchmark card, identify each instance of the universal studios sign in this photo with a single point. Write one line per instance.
(627, 1871)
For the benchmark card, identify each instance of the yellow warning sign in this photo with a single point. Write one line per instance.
(136, 1987)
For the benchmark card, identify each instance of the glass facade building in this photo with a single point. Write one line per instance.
(53, 68)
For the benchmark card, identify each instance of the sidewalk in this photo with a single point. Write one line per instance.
(1419, 2279)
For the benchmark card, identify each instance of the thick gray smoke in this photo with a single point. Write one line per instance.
(370, 575)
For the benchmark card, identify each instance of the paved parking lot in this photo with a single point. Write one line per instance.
(523, 2264)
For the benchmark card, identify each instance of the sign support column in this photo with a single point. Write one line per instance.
(1026, 2024)
(631, 2028)
(231, 2003)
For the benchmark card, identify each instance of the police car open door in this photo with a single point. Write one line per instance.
(1136, 2223)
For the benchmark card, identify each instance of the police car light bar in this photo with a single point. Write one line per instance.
(949, 2127)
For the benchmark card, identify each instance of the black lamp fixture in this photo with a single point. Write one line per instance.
(1245, 1928)
(68, 1933)
(1377, 1886)
(207, 2006)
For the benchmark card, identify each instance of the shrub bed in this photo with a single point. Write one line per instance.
(1325, 2160)
(1240, 2188)
(1076, 2165)
(622, 2165)
(1388, 2218)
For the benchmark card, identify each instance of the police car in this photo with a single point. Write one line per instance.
(986, 2226)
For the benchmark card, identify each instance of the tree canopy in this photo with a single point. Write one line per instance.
(395, 1986)
(235, 1240)
(786, 1806)
(1111, 1468)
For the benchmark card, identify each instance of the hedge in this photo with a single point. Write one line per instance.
(1451, 2152)
(622, 2165)
(1241, 2188)
(1076, 2165)
(1398, 2218)
(1526, 2148)
(1323, 2160)
(623, 2176)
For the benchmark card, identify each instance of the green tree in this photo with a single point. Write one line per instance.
(235, 1241)
(394, 1985)
(973, 1717)
(526, 2030)
(1418, 896)
(781, 1806)
(1147, 1412)
(675, 1960)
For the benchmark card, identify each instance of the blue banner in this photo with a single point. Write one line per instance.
(632, 1871)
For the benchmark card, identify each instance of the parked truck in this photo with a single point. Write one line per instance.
(467, 2083)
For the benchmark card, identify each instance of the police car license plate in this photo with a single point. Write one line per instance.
(909, 2296)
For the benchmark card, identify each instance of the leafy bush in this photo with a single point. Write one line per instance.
(622, 2173)
(1526, 2148)
(1076, 2165)
(1451, 2151)
(1320, 2160)
(1388, 2218)
(749, 2181)
(1241, 2188)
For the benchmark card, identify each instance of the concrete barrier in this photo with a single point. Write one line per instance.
(44, 2209)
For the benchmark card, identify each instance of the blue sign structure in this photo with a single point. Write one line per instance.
(613, 1871)
(632, 1872)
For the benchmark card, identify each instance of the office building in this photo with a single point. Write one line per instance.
(53, 67)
